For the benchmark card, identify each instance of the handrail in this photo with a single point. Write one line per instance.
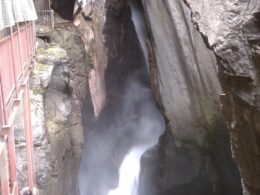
(3, 40)
(45, 21)
(18, 49)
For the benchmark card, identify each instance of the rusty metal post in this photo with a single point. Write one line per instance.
(15, 189)
(13, 62)
(20, 51)
(27, 50)
(31, 132)
(10, 139)
(34, 36)
(28, 35)
(31, 37)
(7, 112)
(11, 154)
(28, 137)
(2, 103)
(4, 169)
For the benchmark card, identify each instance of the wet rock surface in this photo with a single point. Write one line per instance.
(232, 31)
(64, 102)
(193, 157)
(58, 90)
(189, 71)
(90, 22)
(188, 94)
(127, 102)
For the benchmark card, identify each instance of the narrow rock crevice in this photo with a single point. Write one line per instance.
(64, 8)
(129, 117)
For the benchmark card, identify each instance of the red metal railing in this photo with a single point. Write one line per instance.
(16, 54)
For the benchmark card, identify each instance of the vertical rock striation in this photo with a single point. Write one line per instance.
(90, 21)
(59, 89)
(193, 156)
(232, 30)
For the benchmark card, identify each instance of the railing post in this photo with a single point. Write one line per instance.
(52, 19)
(34, 36)
(28, 137)
(2, 102)
(27, 49)
(10, 138)
(49, 4)
(11, 154)
(31, 33)
(13, 62)
(20, 51)
(29, 37)
(4, 169)
(2, 114)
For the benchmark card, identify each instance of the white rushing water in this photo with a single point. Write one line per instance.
(139, 118)
(140, 27)
(130, 167)
(129, 173)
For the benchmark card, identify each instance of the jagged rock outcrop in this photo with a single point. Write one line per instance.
(232, 30)
(50, 81)
(90, 22)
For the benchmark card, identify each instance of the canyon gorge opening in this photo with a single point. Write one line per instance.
(161, 94)
(130, 123)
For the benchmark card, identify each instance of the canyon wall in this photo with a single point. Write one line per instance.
(200, 52)
(232, 31)
(59, 89)
(193, 156)
(194, 153)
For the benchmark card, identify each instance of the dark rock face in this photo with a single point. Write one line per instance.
(232, 31)
(64, 8)
(193, 157)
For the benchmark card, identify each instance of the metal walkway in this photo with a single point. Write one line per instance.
(17, 49)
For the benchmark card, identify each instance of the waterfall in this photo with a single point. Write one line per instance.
(140, 27)
(129, 173)
(130, 167)
(130, 122)
(149, 125)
